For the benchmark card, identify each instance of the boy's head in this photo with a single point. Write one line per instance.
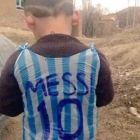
(46, 8)
(46, 15)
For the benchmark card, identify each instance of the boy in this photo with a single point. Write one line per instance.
(58, 82)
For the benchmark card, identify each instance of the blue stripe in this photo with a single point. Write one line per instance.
(25, 78)
(54, 102)
(39, 89)
(23, 131)
(80, 87)
(90, 115)
(67, 121)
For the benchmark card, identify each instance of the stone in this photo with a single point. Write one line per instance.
(134, 112)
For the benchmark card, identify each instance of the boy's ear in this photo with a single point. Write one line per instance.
(75, 18)
(29, 20)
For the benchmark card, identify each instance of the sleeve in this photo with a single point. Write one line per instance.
(10, 95)
(105, 89)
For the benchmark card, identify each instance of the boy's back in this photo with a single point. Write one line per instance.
(60, 81)
(59, 94)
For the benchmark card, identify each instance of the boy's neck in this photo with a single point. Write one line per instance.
(53, 25)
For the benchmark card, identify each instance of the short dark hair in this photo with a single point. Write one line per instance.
(46, 8)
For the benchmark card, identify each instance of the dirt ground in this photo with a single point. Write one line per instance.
(123, 53)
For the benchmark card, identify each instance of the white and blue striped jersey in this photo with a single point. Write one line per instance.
(58, 95)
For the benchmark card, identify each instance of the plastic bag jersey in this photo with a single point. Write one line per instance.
(59, 95)
(7, 48)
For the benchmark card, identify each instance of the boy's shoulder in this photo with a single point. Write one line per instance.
(13, 58)
(8, 68)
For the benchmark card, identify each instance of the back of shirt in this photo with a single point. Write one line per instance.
(59, 95)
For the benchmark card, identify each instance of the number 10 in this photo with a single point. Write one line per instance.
(45, 119)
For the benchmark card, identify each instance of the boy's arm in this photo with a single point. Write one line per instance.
(10, 95)
(105, 90)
